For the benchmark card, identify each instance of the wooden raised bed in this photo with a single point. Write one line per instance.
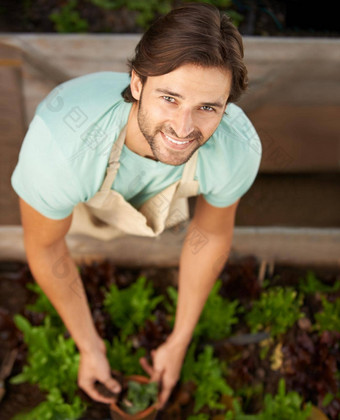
(297, 246)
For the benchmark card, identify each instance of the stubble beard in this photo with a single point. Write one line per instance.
(174, 158)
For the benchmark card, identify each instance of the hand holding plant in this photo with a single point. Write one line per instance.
(166, 366)
(94, 367)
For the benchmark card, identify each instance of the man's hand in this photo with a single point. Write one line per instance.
(94, 367)
(167, 362)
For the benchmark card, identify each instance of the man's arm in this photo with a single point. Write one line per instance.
(204, 253)
(206, 250)
(56, 273)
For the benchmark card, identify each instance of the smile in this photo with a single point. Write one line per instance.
(176, 141)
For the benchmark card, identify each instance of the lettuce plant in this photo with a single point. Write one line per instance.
(52, 363)
(329, 318)
(277, 310)
(282, 406)
(129, 308)
(311, 284)
(123, 358)
(207, 374)
(54, 408)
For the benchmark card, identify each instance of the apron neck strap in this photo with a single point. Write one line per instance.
(114, 164)
(190, 168)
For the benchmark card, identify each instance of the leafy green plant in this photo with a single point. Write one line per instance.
(48, 351)
(129, 308)
(329, 318)
(277, 310)
(123, 358)
(67, 19)
(54, 408)
(207, 374)
(139, 397)
(310, 284)
(52, 363)
(282, 406)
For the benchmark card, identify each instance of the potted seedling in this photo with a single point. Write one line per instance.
(137, 400)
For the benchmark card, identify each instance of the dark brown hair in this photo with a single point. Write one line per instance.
(197, 34)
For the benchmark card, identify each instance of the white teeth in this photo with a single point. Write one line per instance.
(175, 141)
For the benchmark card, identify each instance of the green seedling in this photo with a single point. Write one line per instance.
(139, 397)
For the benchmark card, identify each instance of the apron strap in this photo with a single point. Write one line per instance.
(190, 168)
(114, 164)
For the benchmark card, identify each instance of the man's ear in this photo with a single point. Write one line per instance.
(136, 85)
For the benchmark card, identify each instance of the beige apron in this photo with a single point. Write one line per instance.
(108, 215)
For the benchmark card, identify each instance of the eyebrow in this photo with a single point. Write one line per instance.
(177, 95)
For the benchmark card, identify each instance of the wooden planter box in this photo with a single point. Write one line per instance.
(296, 246)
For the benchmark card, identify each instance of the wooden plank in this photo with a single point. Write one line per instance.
(274, 244)
(12, 128)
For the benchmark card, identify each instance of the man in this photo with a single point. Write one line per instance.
(126, 166)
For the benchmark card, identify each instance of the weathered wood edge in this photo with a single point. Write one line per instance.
(296, 246)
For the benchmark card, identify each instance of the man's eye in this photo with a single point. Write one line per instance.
(207, 108)
(169, 99)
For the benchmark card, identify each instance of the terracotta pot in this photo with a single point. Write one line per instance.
(148, 414)
(317, 414)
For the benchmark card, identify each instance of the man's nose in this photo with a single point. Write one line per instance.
(183, 124)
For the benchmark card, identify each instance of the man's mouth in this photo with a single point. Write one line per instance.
(176, 144)
(177, 141)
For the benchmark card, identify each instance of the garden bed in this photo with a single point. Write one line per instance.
(297, 339)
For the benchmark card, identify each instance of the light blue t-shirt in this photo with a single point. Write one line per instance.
(64, 155)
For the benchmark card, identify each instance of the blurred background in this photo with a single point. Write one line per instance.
(292, 53)
(253, 17)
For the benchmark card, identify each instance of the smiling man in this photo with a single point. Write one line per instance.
(110, 153)
(177, 112)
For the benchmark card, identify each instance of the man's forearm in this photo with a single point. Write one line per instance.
(56, 273)
(199, 267)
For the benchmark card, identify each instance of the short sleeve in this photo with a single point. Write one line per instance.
(234, 159)
(243, 177)
(43, 177)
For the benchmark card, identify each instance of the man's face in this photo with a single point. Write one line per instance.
(179, 111)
